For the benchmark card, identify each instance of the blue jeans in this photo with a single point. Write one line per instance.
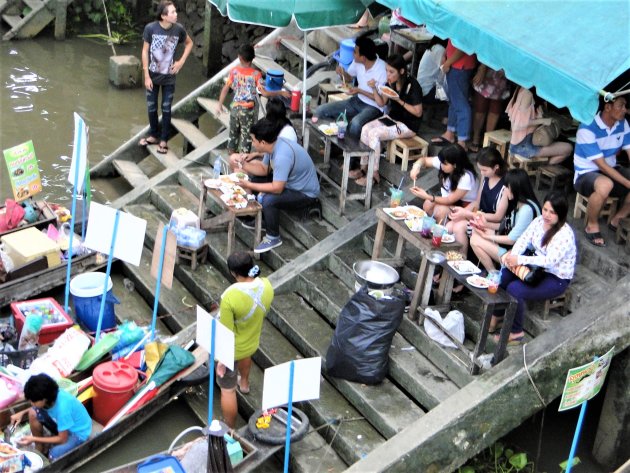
(272, 203)
(357, 112)
(459, 113)
(551, 286)
(60, 450)
(152, 104)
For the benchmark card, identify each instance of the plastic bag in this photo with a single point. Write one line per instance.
(359, 349)
(453, 323)
(29, 338)
(441, 87)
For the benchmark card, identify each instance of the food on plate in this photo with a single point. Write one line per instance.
(448, 238)
(478, 281)
(239, 176)
(227, 179)
(238, 190)
(399, 213)
(329, 130)
(416, 212)
(388, 91)
(6, 449)
(454, 256)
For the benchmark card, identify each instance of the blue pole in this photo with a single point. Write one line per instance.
(107, 273)
(77, 150)
(211, 372)
(287, 441)
(158, 284)
(83, 215)
(576, 437)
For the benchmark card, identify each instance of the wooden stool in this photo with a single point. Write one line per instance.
(500, 138)
(561, 302)
(623, 231)
(194, 255)
(530, 165)
(407, 149)
(609, 209)
(326, 90)
(552, 175)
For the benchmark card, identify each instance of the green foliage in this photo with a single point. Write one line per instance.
(499, 459)
(118, 12)
(564, 465)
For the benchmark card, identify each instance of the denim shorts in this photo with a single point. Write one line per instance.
(525, 148)
(585, 183)
(60, 450)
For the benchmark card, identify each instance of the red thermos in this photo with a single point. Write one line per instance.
(296, 97)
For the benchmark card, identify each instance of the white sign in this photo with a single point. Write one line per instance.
(129, 236)
(223, 342)
(79, 153)
(306, 376)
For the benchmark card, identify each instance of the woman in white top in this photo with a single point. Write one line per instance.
(553, 242)
(429, 68)
(458, 181)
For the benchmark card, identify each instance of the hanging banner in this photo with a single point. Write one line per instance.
(23, 171)
(584, 382)
(79, 153)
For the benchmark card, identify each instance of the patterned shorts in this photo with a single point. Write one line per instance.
(241, 120)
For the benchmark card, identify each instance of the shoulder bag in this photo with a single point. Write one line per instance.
(544, 135)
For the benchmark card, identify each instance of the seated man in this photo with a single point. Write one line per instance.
(294, 183)
(62, 414)
(361, 108)
(597, 175)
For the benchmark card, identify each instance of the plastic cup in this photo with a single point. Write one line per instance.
(494, 277)
(341, 131)
(396, 197)
(427, 225)
(437, 231)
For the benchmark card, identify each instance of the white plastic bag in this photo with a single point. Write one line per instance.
(453, 323)
(441, 87)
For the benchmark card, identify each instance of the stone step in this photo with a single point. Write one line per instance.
(296, 46)
(34, 4)
(190, 132)
(328, 40)
(352, 436)
(167, 159)
(387, 408)
(12, 20)
(610, 263)
(210, 105)
(4, 4)
(131, 172)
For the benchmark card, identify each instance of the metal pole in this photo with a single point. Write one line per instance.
(110, 257)
(287, 441)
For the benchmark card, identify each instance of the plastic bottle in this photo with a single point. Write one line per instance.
(217, 168)
(342, 125)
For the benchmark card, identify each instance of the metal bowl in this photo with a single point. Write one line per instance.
(374, 274)
(436, 257)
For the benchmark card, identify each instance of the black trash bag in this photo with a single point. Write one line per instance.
(359, 349)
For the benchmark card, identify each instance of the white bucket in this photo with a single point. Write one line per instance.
(89, 284)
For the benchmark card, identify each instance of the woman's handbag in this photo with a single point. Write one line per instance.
(544, 135)
(530, 274)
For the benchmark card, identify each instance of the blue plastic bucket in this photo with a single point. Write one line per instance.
(87, 290)
(346, 52)
(274, 80)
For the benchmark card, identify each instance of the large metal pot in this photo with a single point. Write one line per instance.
(375, 275)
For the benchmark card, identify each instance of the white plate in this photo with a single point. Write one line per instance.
(478, 282)
(448, 238)
(239, 176)
(36, 461)
(414, 224)
(388, 92)
(213, 183)
(397, 213)
(330, 129)
(415, 212)
(464, 267)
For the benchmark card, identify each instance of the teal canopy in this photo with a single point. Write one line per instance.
(308, 14)
(569, 49)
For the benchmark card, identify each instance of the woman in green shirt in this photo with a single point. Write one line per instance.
(243, 307)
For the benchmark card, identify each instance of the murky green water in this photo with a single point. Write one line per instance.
(44, 81)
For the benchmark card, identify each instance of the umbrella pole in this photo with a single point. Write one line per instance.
(304, 88)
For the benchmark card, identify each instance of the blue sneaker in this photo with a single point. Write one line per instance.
(267, 244)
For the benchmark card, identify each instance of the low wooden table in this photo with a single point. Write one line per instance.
(228, 216)
(350, 147)
(489, 304)
(422, 290)
(412, 39)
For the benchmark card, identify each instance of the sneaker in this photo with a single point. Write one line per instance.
(248, 222)
(268, 244)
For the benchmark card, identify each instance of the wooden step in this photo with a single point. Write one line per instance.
(264, 64)
(296, 46)
(210, 105)
(167, 159)
(131, 172)
(12, 20)
(191, 133)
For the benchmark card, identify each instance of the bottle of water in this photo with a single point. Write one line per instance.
(217, 168)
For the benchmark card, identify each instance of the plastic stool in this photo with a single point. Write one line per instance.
(407, 149)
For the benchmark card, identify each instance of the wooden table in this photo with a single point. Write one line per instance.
(412, 39)
(422, 290)
(489, 304)
(350, 147)
(228, 216)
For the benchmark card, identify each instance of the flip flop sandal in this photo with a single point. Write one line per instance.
(162, 148)
(147, 141)
(440, 141)
(474, 147)
(591, 237)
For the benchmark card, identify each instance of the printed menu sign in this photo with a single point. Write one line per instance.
(584, 382)
(23, 171)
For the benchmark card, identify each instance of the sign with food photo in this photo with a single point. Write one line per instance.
(23, 171)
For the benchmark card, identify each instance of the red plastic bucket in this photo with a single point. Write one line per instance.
(114, 384)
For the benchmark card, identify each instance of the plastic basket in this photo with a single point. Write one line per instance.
(20, 358)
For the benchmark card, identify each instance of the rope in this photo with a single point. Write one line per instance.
(542, 401)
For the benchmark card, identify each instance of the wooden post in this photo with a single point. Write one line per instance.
(212, 40)
(61, 14)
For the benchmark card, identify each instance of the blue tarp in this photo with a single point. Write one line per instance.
(568, 49)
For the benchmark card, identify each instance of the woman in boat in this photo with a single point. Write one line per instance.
(243, 307)
(490, 203)
(458, 181)
(58, 420)
(403, 119)
(490, 241)
(553, 242)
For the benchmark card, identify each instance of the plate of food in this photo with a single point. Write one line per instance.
(464, 267)
(213, 183)
(414, 224)
(389, 92)
(397, 213)
(448, 238)
(235, 200)
(228, 179)
(478, 281)
(329, 130)
(239, 176)
(416, 212)
(454, 256)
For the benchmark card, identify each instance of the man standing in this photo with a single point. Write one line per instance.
(294, 183)
(161, 38)
(597, 175)
(361, 107)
